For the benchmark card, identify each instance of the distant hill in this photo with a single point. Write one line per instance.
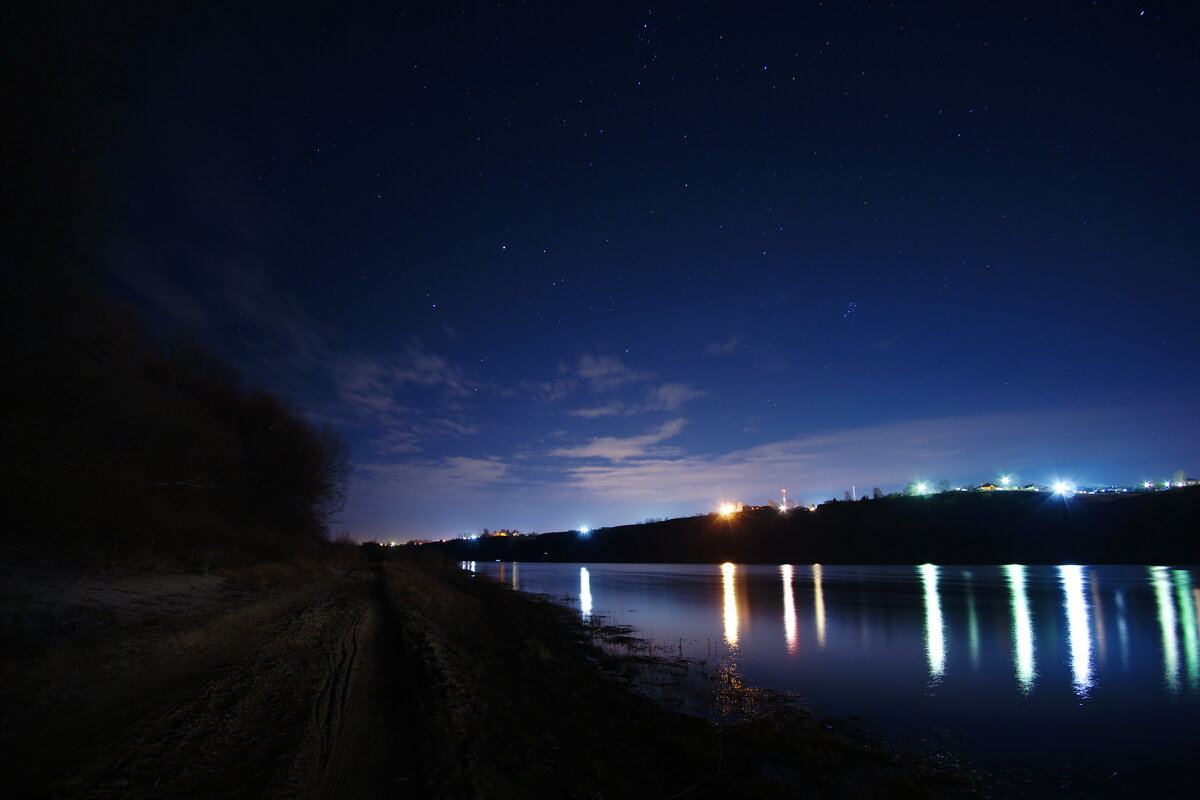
(948, 528)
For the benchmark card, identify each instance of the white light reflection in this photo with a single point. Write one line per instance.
(819, 605)
(585, 593)
(1022, 627)
(789, 609)
(515, 565)
(1161, 582)
(731, 613)
(935, 634)
(1079, 629)
(1187, 618)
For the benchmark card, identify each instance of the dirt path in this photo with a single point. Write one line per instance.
(173, 686)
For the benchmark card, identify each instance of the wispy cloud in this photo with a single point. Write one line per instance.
(607, 372)
(724, 347)
(613, 448)
(446, 477)
(380, 390)
(670, 396)
(610, 410)
(667, 397)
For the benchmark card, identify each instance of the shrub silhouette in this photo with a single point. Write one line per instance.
(115, 446)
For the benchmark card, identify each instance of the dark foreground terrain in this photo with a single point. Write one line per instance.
(399, 680)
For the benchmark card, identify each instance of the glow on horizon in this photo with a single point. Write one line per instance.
(1079, 632)
(935, 632)
(789, 609)
(728, 571)
(1023, 653)
(819, 604)
(585, 593)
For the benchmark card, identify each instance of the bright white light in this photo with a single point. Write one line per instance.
(1005, 480)
(727, 509)
(1064, 488)
(585, 530)
(1147, 485)
(922, 488)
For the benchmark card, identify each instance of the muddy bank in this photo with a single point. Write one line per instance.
(187, 685)
(397, 681)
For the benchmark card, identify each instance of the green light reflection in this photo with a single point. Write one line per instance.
(1160, 580)
(1187, 618)
(972, 621)
(1022, 630)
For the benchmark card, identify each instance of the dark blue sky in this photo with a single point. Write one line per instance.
(550, 265)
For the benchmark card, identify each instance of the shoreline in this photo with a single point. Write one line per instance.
(401, 679)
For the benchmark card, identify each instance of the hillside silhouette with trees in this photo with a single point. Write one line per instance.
(948, 528)
(120, 448)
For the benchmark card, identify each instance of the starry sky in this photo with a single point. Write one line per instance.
(547, 265)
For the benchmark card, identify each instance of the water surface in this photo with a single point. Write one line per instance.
(1088, 672)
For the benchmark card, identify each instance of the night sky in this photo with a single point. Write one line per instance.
(565, 264)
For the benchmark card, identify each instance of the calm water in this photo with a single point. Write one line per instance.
(1085, 671)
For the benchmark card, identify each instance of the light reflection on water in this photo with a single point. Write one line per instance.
(789, 609)
(1022, 629)
(728, 572)
(1095, 665)
(935, 641)
(1078, 628)
(585, 593)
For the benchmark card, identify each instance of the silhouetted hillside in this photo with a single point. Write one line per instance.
(949, 528)
(117, 447)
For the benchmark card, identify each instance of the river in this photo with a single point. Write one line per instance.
(1089, 673)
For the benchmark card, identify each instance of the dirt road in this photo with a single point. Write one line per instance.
(184, 685)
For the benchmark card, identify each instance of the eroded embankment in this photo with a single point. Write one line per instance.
(399, 681)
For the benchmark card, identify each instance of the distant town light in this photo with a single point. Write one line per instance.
(1005, 480)
(585, 530)
(727, 509)
(1147, 485)
(1063, 488)
(922, 488)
